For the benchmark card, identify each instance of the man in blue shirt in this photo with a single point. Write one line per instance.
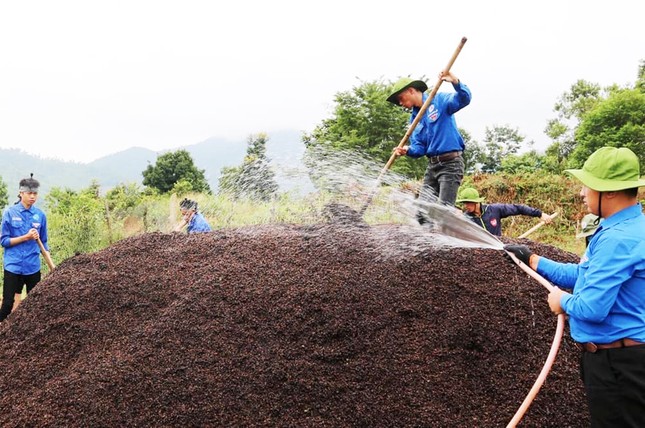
(23, 224)
(195, 220)
(489, 216)
(436, 135)
(606, 309)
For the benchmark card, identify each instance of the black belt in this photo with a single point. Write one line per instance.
(593, 347)
(445, 157)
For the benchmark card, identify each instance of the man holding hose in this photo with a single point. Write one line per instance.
(606, 309)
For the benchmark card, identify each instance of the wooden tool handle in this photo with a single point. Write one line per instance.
(46, 255)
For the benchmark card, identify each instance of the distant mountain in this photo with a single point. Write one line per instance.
(284, 149)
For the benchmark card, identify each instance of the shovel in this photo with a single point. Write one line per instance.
(536, 227)
(413, 125)
(46, 256)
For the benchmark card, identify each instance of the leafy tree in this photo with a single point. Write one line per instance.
(365, 122)
(570, 109)
(528, 162)
(254, 179)
(4, 194)
(123, 198)
(499, 142)
(618, 121)
(76, 220)
(172, 167)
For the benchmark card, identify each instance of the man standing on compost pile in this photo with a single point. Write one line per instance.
(436, 136)
(607, 307)
(192, 217)
(23, 224)
(489, 216)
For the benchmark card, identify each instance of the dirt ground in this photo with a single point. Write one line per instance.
(332, 325)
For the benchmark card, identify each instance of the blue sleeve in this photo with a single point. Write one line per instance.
(563, 275)
(44, 236)
(507, 210)
(459, 99)
(416, 148)
(5, 236)
(610, 264)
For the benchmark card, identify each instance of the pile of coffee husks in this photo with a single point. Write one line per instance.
(291, 326)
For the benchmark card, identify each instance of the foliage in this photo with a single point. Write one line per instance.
(618, 121)
(365, 122)
(570, 108)
(4, 195)
(173, 167)
(499, 142)
(123, 198)
(254, 179)
(76, 221)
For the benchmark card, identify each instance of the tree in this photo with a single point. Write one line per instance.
(618, 121)
(254, 179)
(499, 142)
(570, 108)
(4, 195)
(172, 167)
(123, 198)
(364, 122)
(76, 220)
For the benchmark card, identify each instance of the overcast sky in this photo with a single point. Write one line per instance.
(83, 79)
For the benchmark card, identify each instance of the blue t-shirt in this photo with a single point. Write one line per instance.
(23, 258)
(608, 300)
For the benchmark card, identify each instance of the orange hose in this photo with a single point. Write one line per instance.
(557, 339)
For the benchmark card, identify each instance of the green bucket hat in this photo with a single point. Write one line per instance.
(609, 169)
(404, 83)
(589, 224)
(469, 194)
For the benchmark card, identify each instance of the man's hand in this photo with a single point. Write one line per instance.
(522, 252)
(554, 301)
(546, 218)
(400, 151)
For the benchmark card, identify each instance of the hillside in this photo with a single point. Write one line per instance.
(283, 148)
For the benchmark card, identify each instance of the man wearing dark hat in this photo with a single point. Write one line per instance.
(436, 135)
(606, 309)
(23, 224)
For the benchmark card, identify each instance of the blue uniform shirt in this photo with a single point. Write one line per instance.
(492, 215)
(198, 224)
(437, 132)
(608, 300)
(23, 258)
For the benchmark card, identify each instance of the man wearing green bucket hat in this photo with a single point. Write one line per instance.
(588, 226)
(436, 135)
(489, 216)
(606, 309)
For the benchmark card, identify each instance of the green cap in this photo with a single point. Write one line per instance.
(404, 83)
(589, 224)
(469, 194)
(609, 169)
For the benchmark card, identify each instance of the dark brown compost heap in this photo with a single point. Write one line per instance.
(290, 326)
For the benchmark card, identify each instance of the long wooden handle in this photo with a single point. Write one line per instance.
(46, 256)
(414, 123)
(537, 226)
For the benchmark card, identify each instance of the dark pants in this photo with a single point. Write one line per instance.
(442, 180)
(12, 285)
(614, 381)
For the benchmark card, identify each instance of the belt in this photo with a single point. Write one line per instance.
(593, 347)
(445, 157)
